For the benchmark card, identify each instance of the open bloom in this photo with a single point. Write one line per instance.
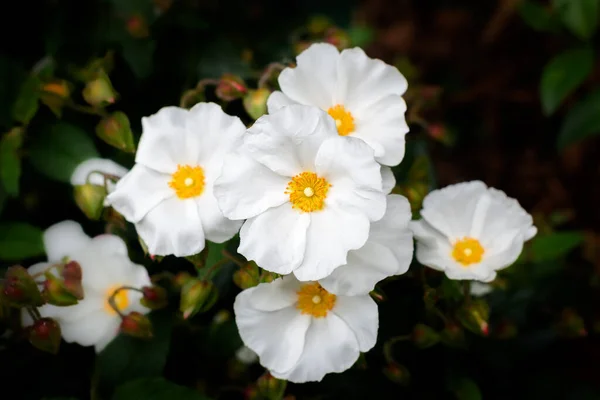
(168, 194)
(362, 95)
(92, 171)
(105, 267)
(308, 195)
(301, 332)
(388, 251)
(470, 231)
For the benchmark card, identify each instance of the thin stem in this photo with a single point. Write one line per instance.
(388, 347)
(86, 109)
(213, 267)
(35, 315)
(264, 78)
(233, 258)
(111, 299)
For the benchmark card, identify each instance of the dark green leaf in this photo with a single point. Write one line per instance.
(562, 75)
(27, 104)
(580, 16)
(19, 240)
(215, 253)
(155, 389)
(582, 121)
(555, 245)
(57, 153)
(10, 161)
(139, 54)
(538, 17)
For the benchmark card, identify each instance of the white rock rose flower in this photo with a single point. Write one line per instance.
(105, 267)
(301, 332)
(362, 95)
(388, 251)
(308, 195)
(168, 194)
(470, 231)
(92, 170)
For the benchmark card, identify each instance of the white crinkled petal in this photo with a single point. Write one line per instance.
(91, 170)
(63, 239)
(110, 244)
(138, 192)
(246, 188)
(275, 295)
(388, 180)
(173, 227)
(330, 346)
(276, 239)
(89, 329)
(432, 248)
(362, 317)
(278, 100)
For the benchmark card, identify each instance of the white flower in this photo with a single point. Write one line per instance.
(302, 332)
(387, 252)
(92, 170)
(308, 195)
(105, 267)
(470, 231)
(362, 95)
(168, 194)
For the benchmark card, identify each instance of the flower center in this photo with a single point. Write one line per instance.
(121, 299)
(344, 121)
(467, 251)
(307, 192)
(187, 181)
(314, 300)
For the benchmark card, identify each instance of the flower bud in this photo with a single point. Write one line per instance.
(255, 102)
(116, 131)
(337, 37)
(453, 335)
(19, 289)
(266, 276)
(136, 324)
(58, 87)
(378, 295)
(99, 92)
(181, 279)
(154, 297)
(72, 275)
(197, 296)
(231, 87)
(247, 276)
(475, 316)
(424, 336)
(271, 388)
(45, 335)
(90, 199)
(397, 373)
(137, 27)
(56, 293)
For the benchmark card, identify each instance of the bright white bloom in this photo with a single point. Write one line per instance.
(362, 95)
(308, 195)
(105, 267)
(388, 251)
(301, 332)
(470, 231)
(168, 194)
(92, 170)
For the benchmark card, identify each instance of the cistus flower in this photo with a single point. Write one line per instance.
(301, 332)
(388, 251)
(105, 268)
(470, 231)
(308, 195)
(362, 95)
(168, 194)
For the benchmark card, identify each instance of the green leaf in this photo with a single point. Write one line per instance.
(19, 240)
(27, 104)
(10, 161)
(555, 245)
(580, 16)
(215, 252)
(582, 121)
(562, 75)
(58, 152)
(538, 17)
(155, 389)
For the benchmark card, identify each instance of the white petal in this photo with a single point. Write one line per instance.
(361, 315)
(275, 239)
(331, 234)
(276, 336)
(101, 270)
(389, 180)
(275, 295)
(91, 170)
(89, 329)
(278, 100)
(110, 244)
(287, 141)
(479, 289)
(313, 81)
(246, 188)
(364, 80)
(433, 249)
(330, 346)
(163, 143)
(140, 191)
(173, 227)
(38, 267)
(64, 238)
(348, 165)
(112, 331)
(383, 126)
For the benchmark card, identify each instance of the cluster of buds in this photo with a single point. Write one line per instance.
(64, 288)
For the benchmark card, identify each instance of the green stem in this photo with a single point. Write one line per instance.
(233, 258)
(111, 299)
(264, 78)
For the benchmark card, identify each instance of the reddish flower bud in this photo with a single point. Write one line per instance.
(424, 336)
(155, 297)
(19, 289)
(137, 27)
(115, 130)
(270, 387)
(397, 373)
(231, 87)
(136, 324)
(45, 335)
(475, 316)
(99, 92)
(61, 292)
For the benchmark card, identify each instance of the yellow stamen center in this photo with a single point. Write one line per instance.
(121, 299)
(344, 121)
(308, 192)
(314, 300)
(187, 181)
(467, 251)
